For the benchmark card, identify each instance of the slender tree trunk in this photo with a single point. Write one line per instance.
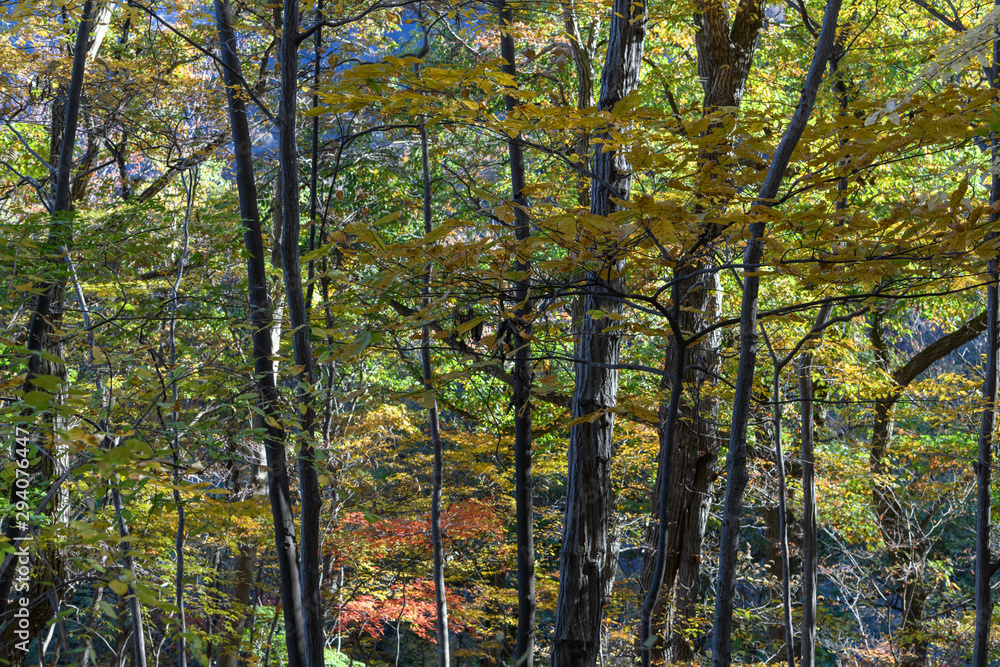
(190, 183)
(809, 549)
(298, 314)
(437, 538)
(984, 463)
(668, 422)
(274, 436)
(779, 460)
(586, 563)
(736, 465)
(314, 152)
(135, 609)
(523, 484)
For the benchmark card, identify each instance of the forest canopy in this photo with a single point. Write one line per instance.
(564, 332)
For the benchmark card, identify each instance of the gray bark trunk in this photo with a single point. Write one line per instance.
(809, 549)
(725, 56)
(437, 483)
(587, 559)
(692, 475)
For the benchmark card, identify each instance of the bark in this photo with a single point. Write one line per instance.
(690, 480)
(782, 515)
(736, 465)
(523, 484)
(135, 609)
(45, 324)
(668, 421)
(583, 59)
(274, 437)
(725, 50)
(587, 561)
(190, 185)
(809, 548)
(984, 463)
(299, 320)
(725, 55)
(314, 151)
(437, 538)
(229, 649)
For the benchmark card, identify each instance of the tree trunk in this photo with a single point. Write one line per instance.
(586, 562)
(736, 465)
(984, 463)
(135, 608)
(437, 538)
(45, 338)
(692, 475)
(583, 58)
(809, 548)
(781, 558)
(525, 646)
(190, 185)
(298, 315)
(725, 56)
(668, 421)
(274, 436)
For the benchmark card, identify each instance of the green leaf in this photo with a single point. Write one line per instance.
(37, 399)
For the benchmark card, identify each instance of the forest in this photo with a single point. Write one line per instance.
(567, 333)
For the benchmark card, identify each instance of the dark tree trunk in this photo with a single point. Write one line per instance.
(587, 566)
(725, 56)
(784, 631)
(668, 422)
(298, 315)
(135, 608)
(437, 483)
(523, 484)
(583, 59)
(45, 338)
(692, 475)
(984, 463)
(736, 465)
(260, 313)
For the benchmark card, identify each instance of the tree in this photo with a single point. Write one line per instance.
(736, 459)
(587, 569)
(558, 281)
(521, 399)
(45, 368)
(274, 437)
